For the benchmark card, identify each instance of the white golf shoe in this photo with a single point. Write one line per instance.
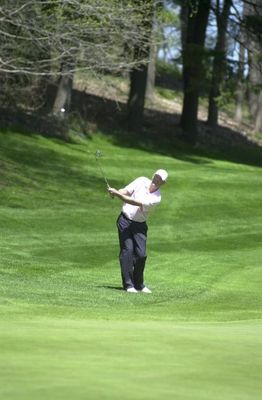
(131, 290)
(146, 290)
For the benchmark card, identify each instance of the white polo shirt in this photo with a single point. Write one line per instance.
(139, 190)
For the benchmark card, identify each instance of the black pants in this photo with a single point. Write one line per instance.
(132, 257)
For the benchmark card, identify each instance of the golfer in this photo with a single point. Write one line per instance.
(139, 198)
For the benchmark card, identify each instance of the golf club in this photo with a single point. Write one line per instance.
(98, 154)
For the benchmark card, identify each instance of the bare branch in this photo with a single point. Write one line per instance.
(39, 35)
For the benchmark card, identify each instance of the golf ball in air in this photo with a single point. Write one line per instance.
(62, 110)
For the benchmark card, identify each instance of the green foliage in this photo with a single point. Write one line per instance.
(225, 98)
(170, 69)
(167, 17)
(166, 93)
(168, 75)
(169, 94)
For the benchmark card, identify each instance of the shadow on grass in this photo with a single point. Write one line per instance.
(44, 166)
(161, 132)
(111, 287)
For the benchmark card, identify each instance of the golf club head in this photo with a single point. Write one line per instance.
(98, 154)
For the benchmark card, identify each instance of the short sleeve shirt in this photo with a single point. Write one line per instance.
(139, 190)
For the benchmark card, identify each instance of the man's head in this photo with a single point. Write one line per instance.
(158, 179)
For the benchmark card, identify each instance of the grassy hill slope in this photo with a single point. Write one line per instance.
(68, 330)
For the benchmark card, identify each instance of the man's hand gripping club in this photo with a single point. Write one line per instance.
(123, 195)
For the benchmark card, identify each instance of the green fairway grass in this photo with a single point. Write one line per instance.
(67, 330)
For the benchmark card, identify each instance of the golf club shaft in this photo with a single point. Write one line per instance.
(102, 173)
(98, 154)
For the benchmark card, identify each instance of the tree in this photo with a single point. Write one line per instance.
(57, 38)
(253, 15)
(151, 70)
(219, 61)
(64, 91)
(139, 73)
(193, 69)
(240, 93)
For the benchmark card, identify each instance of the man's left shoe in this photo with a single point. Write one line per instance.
(146, 290)
(131, 290)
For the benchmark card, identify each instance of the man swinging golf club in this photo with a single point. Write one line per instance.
(139, 198)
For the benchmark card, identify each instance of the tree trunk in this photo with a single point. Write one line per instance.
(219, 63)
(254, 9)
(258, 120)
(64, 91)
(138, 75)
(192, 66)
(255, 79)
(136, 101)
(241, 87)
(151, 73)
(183, 21)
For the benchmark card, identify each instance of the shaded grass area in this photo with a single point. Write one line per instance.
(68, 330)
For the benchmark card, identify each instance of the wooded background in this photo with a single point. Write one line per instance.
(213, 46)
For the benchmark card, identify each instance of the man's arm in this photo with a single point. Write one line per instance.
(124, 192)
(124, 195)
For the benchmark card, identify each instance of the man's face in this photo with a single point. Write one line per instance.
(156, 183)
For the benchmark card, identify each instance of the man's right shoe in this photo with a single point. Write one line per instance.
(146, 290)
(131, 290)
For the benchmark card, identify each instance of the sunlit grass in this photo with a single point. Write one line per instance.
(69, 331)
